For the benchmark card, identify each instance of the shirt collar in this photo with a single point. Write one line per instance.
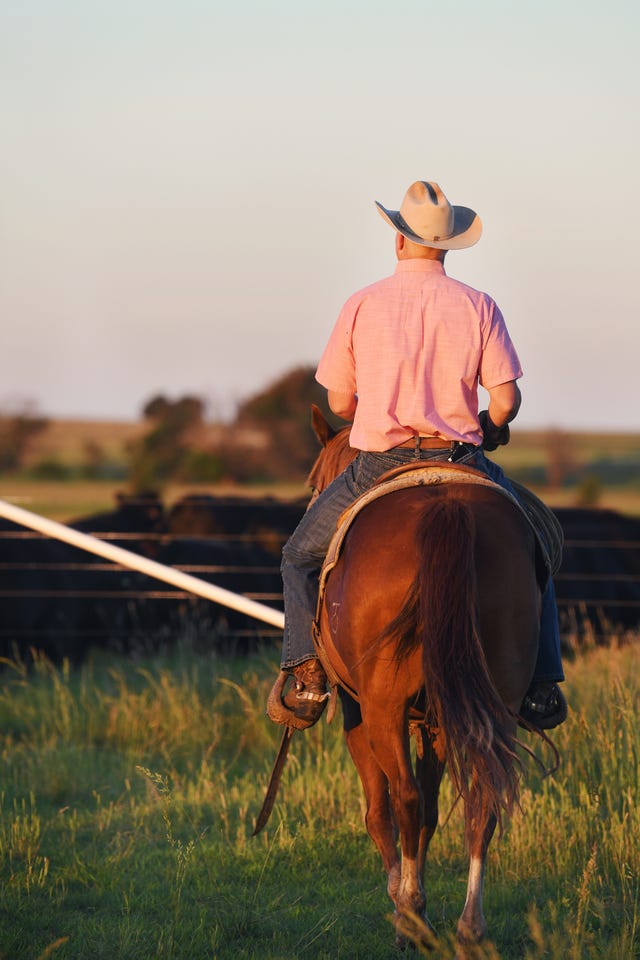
(420, 265)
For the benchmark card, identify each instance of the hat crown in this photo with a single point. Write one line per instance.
(427, 211)
(427, 218)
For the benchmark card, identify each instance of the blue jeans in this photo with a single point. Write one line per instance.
(304, 553)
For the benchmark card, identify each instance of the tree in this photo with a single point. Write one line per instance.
(16, 431)
(282, 412)
(165, 448)
(561, 460)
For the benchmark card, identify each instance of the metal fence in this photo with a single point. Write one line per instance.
(132, 598)
(51, 586)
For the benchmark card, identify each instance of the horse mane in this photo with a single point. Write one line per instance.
(335, 456)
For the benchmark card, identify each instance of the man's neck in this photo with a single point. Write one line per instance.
(412, 251)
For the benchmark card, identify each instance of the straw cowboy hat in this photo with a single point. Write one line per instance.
(427, 218)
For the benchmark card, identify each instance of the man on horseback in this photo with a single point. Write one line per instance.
(403, 365)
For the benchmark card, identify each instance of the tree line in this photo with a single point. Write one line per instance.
(269, 440)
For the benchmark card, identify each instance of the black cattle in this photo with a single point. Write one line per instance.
(140, 517)
(38, 608)
(239, 566)
(599, 580)
(63, 600)
(267, 522)
(111, 608)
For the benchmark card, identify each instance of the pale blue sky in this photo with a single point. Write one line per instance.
(188, 188)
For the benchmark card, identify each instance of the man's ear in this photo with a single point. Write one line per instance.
(400, 240)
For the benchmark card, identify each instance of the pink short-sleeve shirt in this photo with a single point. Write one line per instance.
(414, 347)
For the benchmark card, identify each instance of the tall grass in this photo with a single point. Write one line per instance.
(129, 788)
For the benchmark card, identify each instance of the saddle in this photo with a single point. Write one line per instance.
(545, 526)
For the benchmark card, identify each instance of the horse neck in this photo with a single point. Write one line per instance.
(332, 460)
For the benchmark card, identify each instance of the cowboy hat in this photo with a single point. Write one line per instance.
(426, 217)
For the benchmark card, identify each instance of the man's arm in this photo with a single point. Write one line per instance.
(504, 403)
(343, 404)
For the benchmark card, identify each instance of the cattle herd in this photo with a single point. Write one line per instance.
(62, 601)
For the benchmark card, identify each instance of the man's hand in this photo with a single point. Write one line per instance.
(493, 436)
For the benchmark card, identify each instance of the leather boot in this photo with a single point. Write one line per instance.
(308, 696)
(544, 706)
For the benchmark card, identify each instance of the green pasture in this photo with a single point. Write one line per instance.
(68, 500)
(128, 793)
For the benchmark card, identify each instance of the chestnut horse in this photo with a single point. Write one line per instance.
(434, 602)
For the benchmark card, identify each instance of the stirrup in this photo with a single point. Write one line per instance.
(300, 712)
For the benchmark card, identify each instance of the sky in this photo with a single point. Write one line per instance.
(188, 189)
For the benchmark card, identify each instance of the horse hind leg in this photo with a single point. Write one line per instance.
(378, 818)
(429, 772)
(390, 745)
(472, 926)
(480, 827)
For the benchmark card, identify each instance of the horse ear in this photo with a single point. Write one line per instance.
(323, 431)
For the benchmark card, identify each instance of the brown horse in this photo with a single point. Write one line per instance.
(434, 604)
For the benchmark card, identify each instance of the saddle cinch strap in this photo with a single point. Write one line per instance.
(543, 522)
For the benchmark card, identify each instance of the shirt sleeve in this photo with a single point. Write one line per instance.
(337, 369)
(499, 362)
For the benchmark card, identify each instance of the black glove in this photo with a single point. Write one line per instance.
(493, 436)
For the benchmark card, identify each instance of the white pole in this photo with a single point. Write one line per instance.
(50, 528)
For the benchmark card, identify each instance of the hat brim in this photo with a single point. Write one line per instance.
(467, 228)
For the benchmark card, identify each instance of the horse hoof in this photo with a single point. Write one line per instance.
(414, 929)
(468, 939)
(469, 951)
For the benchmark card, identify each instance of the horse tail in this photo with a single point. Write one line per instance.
(462, 701)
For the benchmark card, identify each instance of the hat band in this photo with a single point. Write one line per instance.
(403, 223)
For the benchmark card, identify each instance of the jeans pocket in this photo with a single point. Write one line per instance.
(368, 467)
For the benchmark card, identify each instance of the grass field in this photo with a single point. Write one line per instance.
(130, 787)
(68, 500)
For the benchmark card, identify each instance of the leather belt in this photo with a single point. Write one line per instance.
(425, 443)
